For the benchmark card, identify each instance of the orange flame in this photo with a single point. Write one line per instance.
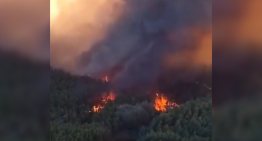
(105, 99)
(161, 103)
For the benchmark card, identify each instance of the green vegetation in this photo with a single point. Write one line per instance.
(127, 118)
(238, 121)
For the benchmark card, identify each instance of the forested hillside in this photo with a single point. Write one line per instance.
(129, 116)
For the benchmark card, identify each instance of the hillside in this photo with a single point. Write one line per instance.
(128, 116)
(27, 87)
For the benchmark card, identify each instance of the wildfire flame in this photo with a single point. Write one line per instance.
(162, 102)
(105, 79)
(105, 99)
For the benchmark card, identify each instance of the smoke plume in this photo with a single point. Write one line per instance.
(237, 51)
(133, 41)
(237, 33)
(237, 22)
(24, 26)
(130, 41)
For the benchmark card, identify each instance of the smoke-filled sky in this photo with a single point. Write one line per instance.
(24, 27)
(132, 41)
(237, 21)
(237, 29)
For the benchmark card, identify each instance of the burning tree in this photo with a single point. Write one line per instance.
(162, 103)
(105, 99)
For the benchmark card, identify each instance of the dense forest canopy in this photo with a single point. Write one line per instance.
(131, 116)
(128, 116)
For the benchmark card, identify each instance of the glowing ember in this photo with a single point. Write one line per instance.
(161, 103)
(105, 79)
(105, 99)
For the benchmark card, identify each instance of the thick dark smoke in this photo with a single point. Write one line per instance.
(132, 41)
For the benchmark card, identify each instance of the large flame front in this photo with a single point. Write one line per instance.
(162, 103)
(105, 99)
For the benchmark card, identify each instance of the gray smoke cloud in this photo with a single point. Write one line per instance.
(131, 40)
